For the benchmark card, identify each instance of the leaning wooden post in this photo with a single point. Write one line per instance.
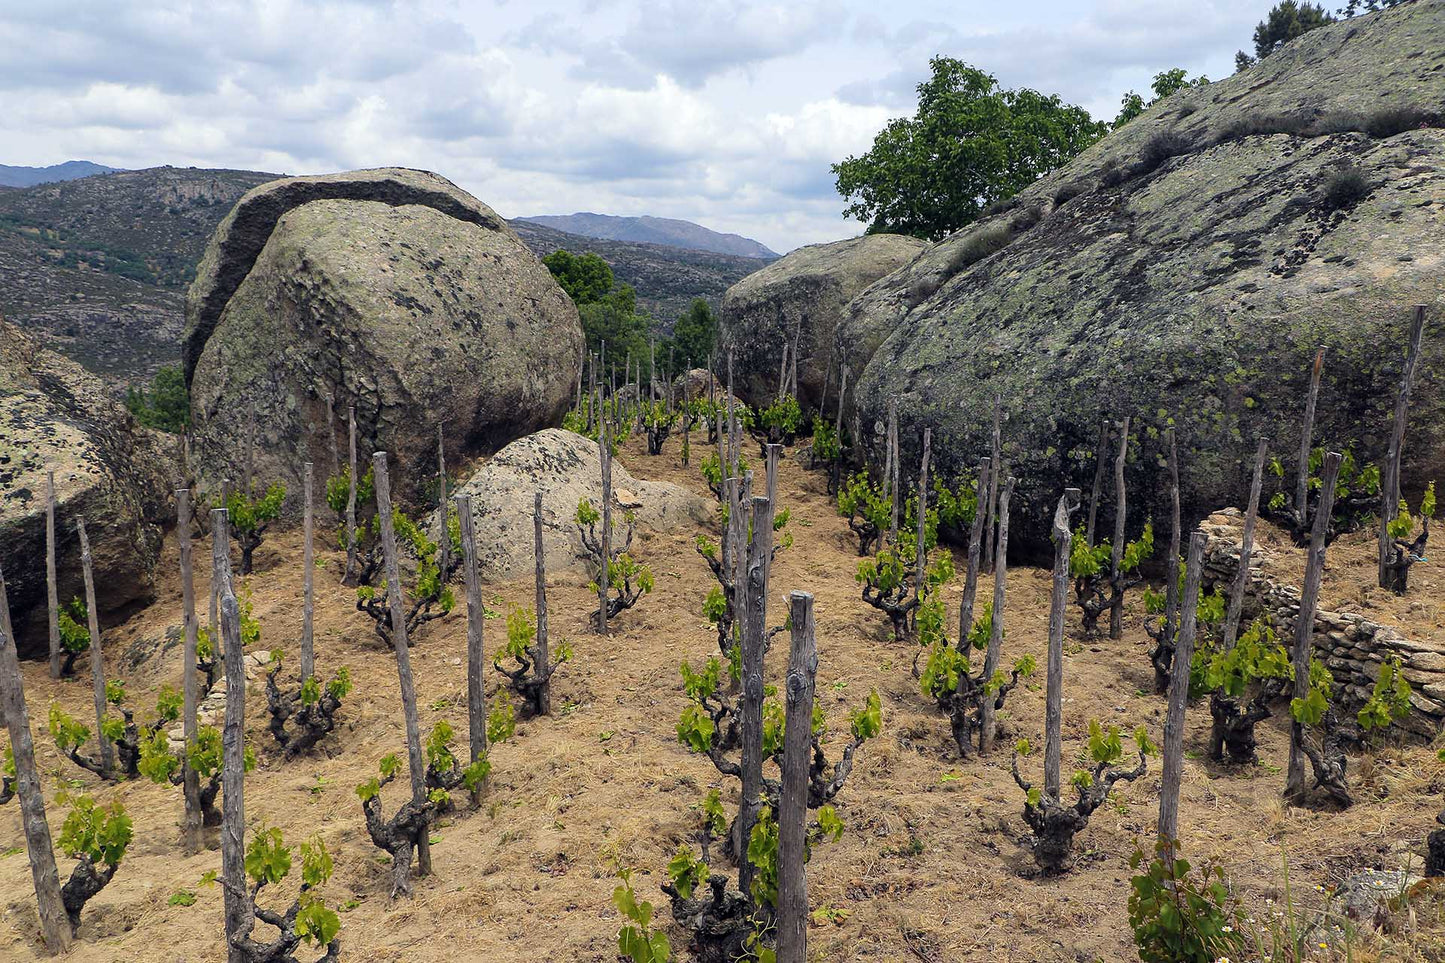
(190, 689)
(975, 539)
(1246, 548)
(54, 923)
(793, 799)
(403, 660)
(1116, 601)
(1390, 487)
(921, 553)
(97, 655)
(894, 473)
(1305, 621)
(1058, 605)
(754, 642)
(838, 427)
(444, 538)
(1171, 578)
(541, 655)
(51, 592)
(1301, 487)
(351, 502)
(1179, 697)
(476, 619)
(308, 594)
(996, 457)
(605, 451)
(1099, 450)
(235, 893)
(995, 640)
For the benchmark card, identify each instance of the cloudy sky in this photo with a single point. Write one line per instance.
(725, 112)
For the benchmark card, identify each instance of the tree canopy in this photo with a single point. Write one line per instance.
(970, 144)
(694, 336)
(585, 277)
(1165, 83)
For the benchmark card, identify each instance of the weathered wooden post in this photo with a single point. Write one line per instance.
(403, 660)
(1305, 622)
(234, 891)
(1116, 601)
(476, 619)
(97, 655)
(190, 689)
(351, 572)
(605, 452)
(1099, 450)
(793, 799)
(975, 539)
(54, 923)
(52, 599)
(1058, 604)
(894, 473)
(1179, 697)
(1390, 483)
(996, 459)
(921, 553)
(1302, 480)
(444, 538)
(541, 655)
(754, 642)
(995, 640)
(308, 594)
(838, 427)
(1246, 548)
(1171, 581)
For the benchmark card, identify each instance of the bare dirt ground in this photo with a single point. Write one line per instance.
(933, 866)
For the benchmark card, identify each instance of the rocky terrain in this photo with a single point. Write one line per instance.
(654, 230)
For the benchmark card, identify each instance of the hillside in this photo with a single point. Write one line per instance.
(30, 176)
(654, 230)
(666, 278)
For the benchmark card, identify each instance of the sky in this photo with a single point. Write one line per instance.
(723, 112)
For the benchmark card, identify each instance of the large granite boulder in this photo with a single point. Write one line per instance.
(1185, 268)
(390, 290)
(567, 468)
(799, 299)
(56, 416)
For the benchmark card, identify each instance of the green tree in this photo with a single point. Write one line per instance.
(694, 335)
(1285, 21)
(1166, 82)
(615, 320)
(165, 404)
(585, 277)
(970, 144)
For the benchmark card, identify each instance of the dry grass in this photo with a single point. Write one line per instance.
(933, 867)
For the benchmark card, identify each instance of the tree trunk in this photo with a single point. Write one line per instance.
(995, 641)
(97, 654)
(1179, 696)
(541, 655)
(1246, 549)
(1305, 621)
(1058, 604)
(1302, 481)
(54, 923)
(351, 502)
(975, 539)
(51, 598)
(793, 799)
(239, 916)
(1098, 481)
(308, 594)
(753, 651)
(190, 688)
(476, 619)
(1116, 602)
(996, 459)
(1390, 486)
(403, 659)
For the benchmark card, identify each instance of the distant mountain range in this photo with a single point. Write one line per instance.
(30, 176)
(97, 266)
(654, 230)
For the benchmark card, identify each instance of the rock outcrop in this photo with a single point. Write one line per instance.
(800, 300)
(1185, 268)
(56, 416)
(567, 468)
(391, 290)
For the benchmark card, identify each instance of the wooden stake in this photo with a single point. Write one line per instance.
(1305, 622)
(403, 659)
(236, 895)
(838, 428)
(996, 455)
(894, 474)
(351, 572)
(1301, 488)
(308, 595)
(1246, 548)
(754, 641)
(1171, 580)
(1099, 450)
(54, 923)
(1390, 489)
(97, 654)
(476, 619)
(995, 641)
(1179, 696)
(975, 541)
(1116, 602)
(444, 538)
(606, 453)
(793, 798)
(541, 655)
(190, 687)
(920, 553)
(52, 599)
(1058, 604)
